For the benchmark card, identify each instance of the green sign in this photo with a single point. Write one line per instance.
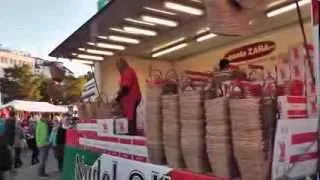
(102, 3)
(75, 161)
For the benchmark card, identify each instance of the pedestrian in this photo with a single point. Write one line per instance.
(10, 126)
(19, 143)
(5, 154)
(57, 140)
(31, 140)
(42, 140)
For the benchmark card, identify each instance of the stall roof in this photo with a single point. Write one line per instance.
(114, 17)
(33, 106)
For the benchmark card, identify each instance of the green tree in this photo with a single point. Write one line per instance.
(66, 92)
(20, 83)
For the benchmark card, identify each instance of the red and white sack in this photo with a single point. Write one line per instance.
(297, 63)
(312, 106)
(292, 107)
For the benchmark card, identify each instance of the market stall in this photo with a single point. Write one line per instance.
(34, 106)
(257, 120)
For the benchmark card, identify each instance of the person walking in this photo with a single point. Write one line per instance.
(42, 140)
(9, 135)
(57, 140)
(31, 141)
(5, 154)
(19, 141)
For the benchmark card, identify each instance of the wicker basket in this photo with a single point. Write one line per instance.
(248, 138)
(218, 137)
(193, 131)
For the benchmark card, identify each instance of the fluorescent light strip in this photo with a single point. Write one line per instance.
(206, 37)
(168, 44)
(94, 51)
(84, 56)
(183, 8)
(108, 46)
(124, 39)
(139, 22)
(82, 62)
(203, 30)
(276, 3)
(140, 31)
(103, 37)
(119, 30)
(169, 50)
(160, 21)
(287, 8)
(160, 11)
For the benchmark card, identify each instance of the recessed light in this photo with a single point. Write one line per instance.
(139, 22)
(206, 37)
(84, 56)
(103, 37)
(109, 46)
(287, 8)
(140, 31)
(160, 11)
(183, 8)
(124, 39)
(160, 21)
(168, 44)
(99, 52)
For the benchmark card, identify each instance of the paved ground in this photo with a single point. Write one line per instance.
(28, 172)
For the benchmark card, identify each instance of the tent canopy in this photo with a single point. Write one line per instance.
(33, 106)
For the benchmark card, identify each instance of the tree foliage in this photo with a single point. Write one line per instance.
(20, 83)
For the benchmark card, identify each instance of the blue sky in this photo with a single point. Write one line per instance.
(38, 26)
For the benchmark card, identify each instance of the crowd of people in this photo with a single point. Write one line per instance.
(34, 131)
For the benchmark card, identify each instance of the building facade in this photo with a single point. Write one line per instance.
(9, 58)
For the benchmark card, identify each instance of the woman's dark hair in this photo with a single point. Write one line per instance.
(224, 63)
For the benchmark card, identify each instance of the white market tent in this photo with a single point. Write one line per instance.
(33, 106)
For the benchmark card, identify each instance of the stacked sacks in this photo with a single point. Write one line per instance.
(192, 130)
(154, 122)
(248, 138)
(218, 136)
(171, 131)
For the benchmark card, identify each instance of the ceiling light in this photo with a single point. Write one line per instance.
(168, 44)
(160, 11)
(82, 62)
(102, 37)
(140, 31)
(160, 21)
(124, 39)
(84, 56)
(111, 46)
(139, 22)
(108, 46)
(119, 30)
(183, 8)
(286, 8)
(91, 43)
(74, 54)
(166, 51)
(99, 52)
(206, 37)
(81, 49)
(197, 1)
(276, 3)
(203, 30)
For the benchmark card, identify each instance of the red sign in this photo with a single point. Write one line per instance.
(251, 51)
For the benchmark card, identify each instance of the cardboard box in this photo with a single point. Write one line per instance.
(105, 127)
